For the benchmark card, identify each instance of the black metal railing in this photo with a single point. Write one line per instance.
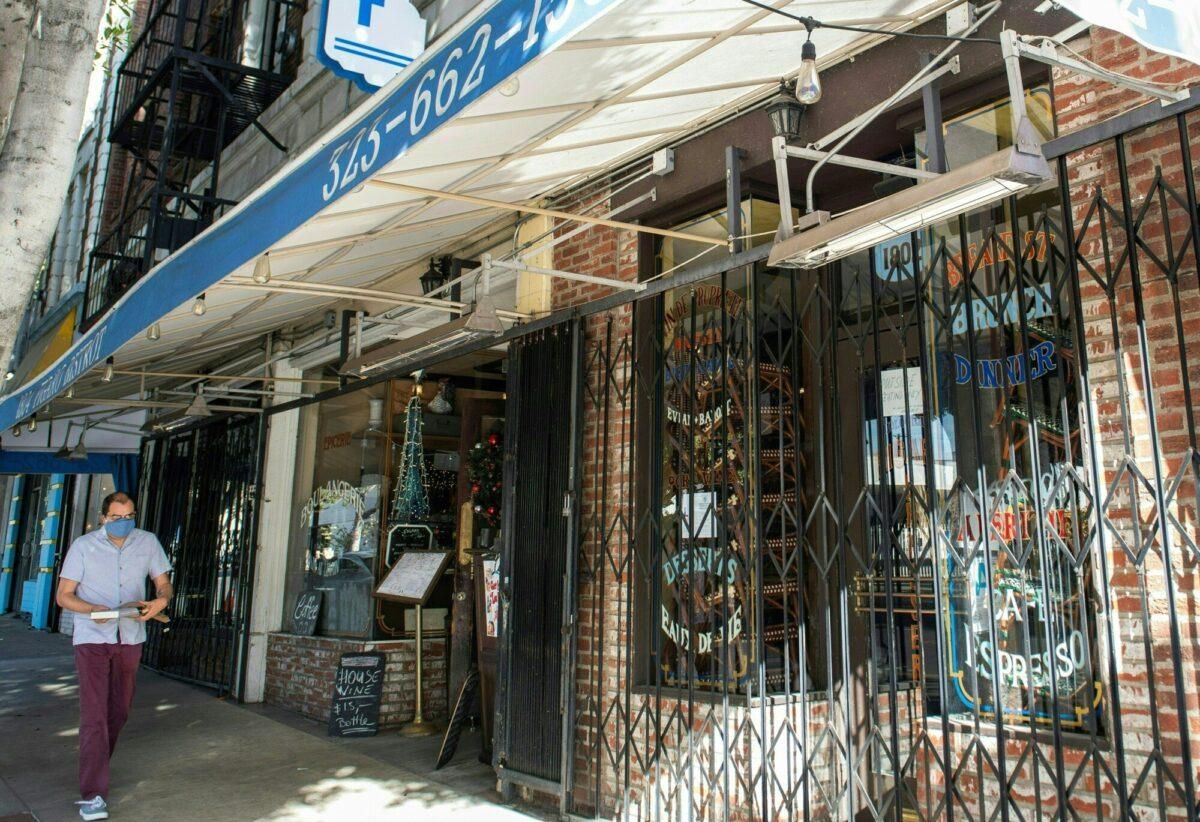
(213, 36)
(197, 76)
(146, 235)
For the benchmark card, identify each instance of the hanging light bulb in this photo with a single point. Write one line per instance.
(808, 84)
(199, 307)
(32, 424)
(153, 332)
(262, 270)
(108, 371)
(374, 413)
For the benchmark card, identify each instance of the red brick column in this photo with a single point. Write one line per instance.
(603, 611)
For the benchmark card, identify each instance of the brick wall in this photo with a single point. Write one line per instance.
(300, 673)
(603, 606)
(1129, 403)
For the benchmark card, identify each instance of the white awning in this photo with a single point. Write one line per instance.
(527, 98)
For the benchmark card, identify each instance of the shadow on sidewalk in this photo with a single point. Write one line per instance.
(185, 755)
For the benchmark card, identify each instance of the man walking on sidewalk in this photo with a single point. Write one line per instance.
(104, 569)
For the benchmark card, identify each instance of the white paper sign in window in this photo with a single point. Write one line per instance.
(895, 384)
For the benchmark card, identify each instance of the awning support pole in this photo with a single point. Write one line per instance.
(356, 293)
(733, 196)
(931, 105)
(569, 275)
(197, 376)
(784, 187)
(545, 212)
(120, 402)
(858, 162)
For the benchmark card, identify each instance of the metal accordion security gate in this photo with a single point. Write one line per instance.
(199, 494)
(913, 536)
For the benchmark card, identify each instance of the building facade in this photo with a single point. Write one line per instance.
(53, 484)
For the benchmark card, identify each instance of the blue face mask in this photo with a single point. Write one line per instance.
(118, 529)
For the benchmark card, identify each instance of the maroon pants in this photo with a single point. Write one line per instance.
(106, 679)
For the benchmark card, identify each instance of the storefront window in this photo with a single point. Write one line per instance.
(101, 486)
(972, 449)
(337, 525)
(959, 504)
(719, 596)
(982, 131)
(760, 220)
(359, 502)
(705, 552)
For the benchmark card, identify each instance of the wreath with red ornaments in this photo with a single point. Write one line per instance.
(485, 470)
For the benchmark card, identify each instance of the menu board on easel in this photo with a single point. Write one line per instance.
(413, 576)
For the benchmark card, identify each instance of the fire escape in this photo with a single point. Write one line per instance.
(200, 73)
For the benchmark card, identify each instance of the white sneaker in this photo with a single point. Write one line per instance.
(94, 808)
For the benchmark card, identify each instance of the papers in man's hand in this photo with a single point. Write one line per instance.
(116, 613)
(128, 610)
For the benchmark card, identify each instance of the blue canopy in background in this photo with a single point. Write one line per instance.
(123, 467)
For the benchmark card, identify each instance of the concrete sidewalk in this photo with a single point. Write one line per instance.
(185, 755)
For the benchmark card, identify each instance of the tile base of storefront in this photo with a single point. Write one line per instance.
(300, 672)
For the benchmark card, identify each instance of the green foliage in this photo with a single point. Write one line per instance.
(485, 469)
(116, 32)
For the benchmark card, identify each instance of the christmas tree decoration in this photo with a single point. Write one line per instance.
(484, 472)
(411, 503)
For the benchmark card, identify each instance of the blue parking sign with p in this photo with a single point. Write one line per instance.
(370, 41)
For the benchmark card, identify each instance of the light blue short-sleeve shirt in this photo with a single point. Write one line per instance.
(109, 576)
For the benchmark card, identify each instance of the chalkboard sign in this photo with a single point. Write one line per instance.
(357, 688)
(412, 578)
(304, 615)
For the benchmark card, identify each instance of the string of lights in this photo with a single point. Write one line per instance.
(811, 23)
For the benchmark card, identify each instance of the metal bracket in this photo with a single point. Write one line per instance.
(229, 98)
(1014, 46)
(783, 186)
(856, 162)
(780, 150)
